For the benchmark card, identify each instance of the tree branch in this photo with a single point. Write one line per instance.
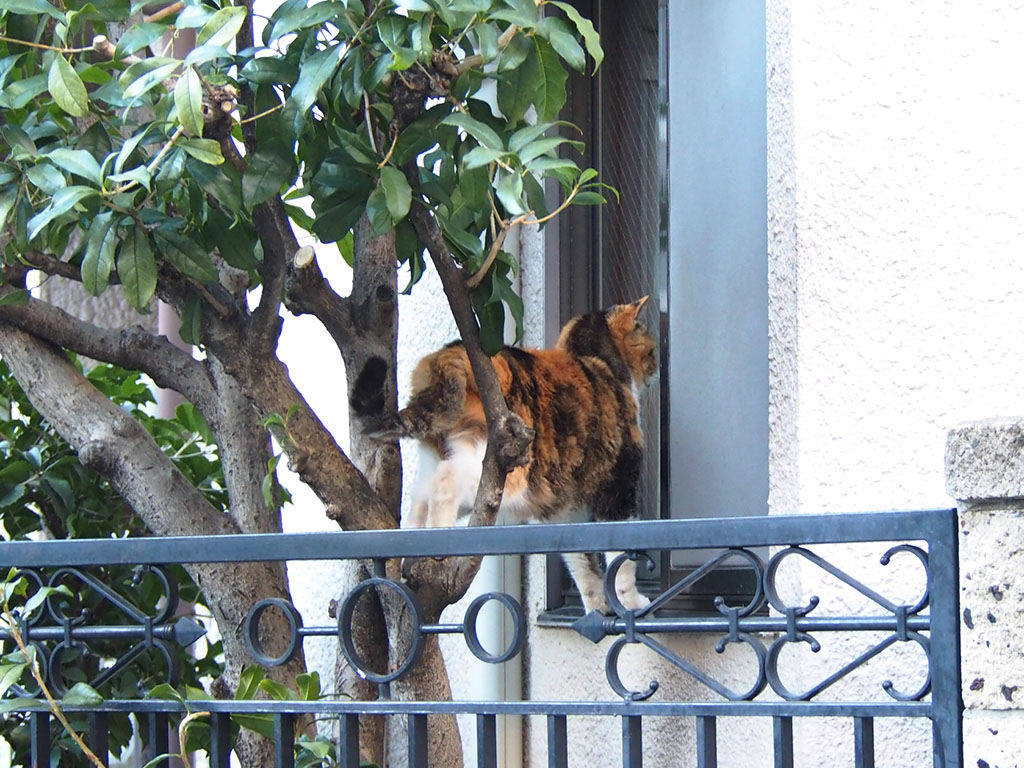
(312, 451)
(508, 437)
(307, 292)
(134, 348)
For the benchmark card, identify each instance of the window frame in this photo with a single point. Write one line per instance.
(573, 272)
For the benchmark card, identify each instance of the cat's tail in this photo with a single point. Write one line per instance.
(367, 403)
(440, 383)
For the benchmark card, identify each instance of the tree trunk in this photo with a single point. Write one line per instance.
(111, 442)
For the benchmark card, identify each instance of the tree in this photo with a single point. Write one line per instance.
(183, 179)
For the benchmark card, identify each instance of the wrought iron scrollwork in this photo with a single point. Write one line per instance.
(744, 625)
(60, 629)
(419, 629)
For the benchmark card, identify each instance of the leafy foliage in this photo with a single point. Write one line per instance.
(129, 167)
(45, 489)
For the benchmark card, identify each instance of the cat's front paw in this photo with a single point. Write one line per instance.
(634, 601)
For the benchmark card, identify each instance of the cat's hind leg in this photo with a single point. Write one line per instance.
(455, 482)
(585, 572)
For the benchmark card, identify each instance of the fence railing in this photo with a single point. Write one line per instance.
(764, 626)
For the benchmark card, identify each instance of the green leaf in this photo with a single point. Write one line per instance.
(509, 189)
(206, 53)
(18, 139)
(46, 177)
(236, 244)
(522, 13)
(165, 691)
(301, 18)
(397, 192)
(563, 41)
(222, 26)
(315, 71)
(586, 29)
(41, 595)
(67, 87)
(138, 37)
(193, 17)
(266, 172)
(223, 183)
(77, 161)
(308, 685)
(475, 128)
(82, 695)
(99, 253)
(204, 150)
(144, 75)
(544, 146)
(271, 70)
(62, 202)
(377, 212)
(487, 41)
(481, 156)
(19, 93)
(550, 97)
(589, 198)
(7, 199)
(187, 256)
(191, 330)
(188, 98)
(18, 298)
(517, 87)
(10, 674)
(277, 690)
(32, 8)
(136, 268)
(248, 683)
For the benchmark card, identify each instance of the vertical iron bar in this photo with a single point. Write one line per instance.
(39, 724)
(782, 731)
(99, 734)
(159, 737)
(947, 705)
(707, 742)
(220, 740)
(348, 742)
(864, 742)
(418, 741)
(486, 741)
(632, 742)
(558, 742)
(284, 740)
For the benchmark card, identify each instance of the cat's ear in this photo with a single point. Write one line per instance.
(634, 309)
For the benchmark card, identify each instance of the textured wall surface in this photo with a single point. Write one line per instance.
(985, 474)
(896, 210)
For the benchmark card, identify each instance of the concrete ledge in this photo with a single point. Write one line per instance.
(985, 461)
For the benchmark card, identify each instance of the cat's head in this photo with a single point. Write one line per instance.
(616, 336)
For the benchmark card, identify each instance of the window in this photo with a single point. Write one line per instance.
(675, 119)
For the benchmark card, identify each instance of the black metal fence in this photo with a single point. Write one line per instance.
(764, 626)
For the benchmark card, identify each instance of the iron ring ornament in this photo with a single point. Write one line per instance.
(57, 631)
(746, 624)
(419, 630)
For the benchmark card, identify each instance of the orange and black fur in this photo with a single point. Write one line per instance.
(586, 458)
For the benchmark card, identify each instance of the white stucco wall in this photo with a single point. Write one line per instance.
(895, 197)
(896, 215)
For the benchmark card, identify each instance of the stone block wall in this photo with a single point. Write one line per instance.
(985, 473)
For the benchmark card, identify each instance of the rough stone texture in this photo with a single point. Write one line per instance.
(985, 460)
(993, 740)
(992, 607)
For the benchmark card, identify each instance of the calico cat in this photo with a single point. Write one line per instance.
(585, 461)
